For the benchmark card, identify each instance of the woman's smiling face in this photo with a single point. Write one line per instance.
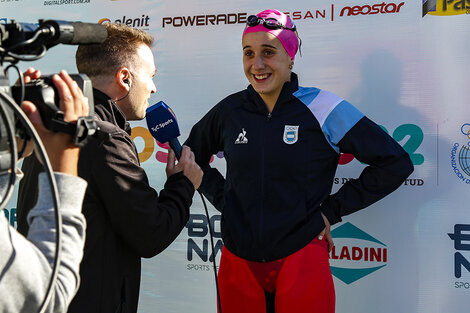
(266, 63)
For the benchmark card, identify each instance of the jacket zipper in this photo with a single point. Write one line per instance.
(261, 220)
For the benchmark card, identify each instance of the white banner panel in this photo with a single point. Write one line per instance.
(405, 64)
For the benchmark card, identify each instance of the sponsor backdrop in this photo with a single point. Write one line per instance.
(405, 64)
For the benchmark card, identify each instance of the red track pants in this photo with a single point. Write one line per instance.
(301, 282)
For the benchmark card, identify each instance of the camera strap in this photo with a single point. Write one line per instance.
(80, 131)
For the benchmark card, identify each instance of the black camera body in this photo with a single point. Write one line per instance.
(44, 95)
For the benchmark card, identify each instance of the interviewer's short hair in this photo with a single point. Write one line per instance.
(118, 50)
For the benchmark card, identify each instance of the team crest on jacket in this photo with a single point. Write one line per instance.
(291, 134)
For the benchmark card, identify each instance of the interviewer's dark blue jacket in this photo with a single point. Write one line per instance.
(281, 167)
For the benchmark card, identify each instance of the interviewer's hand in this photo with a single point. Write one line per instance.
(326, 233)
(62, 152)
(187, 164)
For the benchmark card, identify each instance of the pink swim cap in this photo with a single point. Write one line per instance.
(288, 38)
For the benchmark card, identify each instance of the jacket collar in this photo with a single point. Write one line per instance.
(286, 92)
(107, 110)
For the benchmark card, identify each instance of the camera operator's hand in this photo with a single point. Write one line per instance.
(27, 146)
(62, 152)
(30, 74)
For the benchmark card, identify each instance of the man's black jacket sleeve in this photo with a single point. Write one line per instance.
(145, 221)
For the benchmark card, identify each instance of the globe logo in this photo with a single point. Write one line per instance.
(460, 156)
(464, 153)
(464, 157)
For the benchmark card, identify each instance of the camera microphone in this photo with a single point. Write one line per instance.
(73, 33)
(162, 124)
(32, 39)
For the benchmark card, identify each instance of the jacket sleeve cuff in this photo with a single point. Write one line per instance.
(329, 207)
(187, 188)
(212, 187)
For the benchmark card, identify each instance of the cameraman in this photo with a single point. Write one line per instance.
(26, 263)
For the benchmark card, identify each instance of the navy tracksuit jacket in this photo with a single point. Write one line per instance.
(281, 166)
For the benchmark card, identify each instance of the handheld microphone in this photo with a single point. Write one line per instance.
(162, 124)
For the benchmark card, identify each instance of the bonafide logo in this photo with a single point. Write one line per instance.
(198, 251)
(356, 254)
(461, 238)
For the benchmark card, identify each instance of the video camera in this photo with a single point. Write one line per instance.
(20, 40)
(44, 95)
(30, 42)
